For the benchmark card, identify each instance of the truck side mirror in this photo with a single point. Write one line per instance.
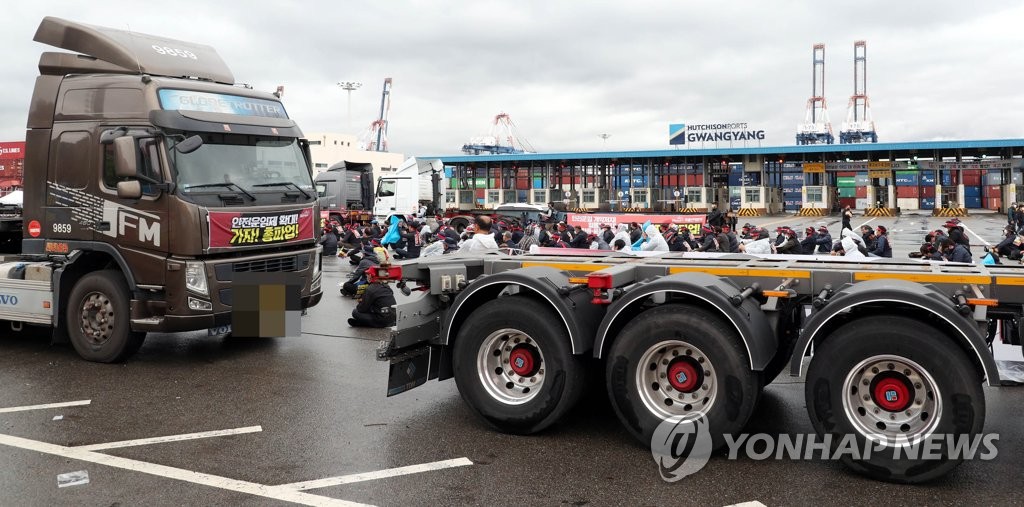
(190, 144)
(125, 158)
(129, 189)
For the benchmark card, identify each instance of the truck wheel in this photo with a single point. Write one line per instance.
(514, 365)
(98, 318)
(459, 224)
(680, 361)
(896, 382)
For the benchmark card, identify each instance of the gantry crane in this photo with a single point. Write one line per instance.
(816, 128)
(859, 127)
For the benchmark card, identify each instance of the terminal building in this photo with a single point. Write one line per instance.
(958, 175)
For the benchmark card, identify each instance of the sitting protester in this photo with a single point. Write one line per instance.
(954, 252)
(358, 277)
(810, 241)
(824, 240)
(375, 307)
(881, 243)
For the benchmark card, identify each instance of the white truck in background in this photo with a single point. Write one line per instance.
(416, 182)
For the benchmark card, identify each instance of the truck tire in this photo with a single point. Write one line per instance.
(514, 366)
(98, 318)
(681, 361)
(459, 224)
(899, 378)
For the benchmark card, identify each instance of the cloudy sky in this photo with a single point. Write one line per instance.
(567, 71)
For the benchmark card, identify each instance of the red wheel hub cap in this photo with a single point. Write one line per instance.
(683, 376)
(892, 394)
(522, 361)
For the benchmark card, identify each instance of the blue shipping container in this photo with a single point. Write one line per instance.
(793, 177)
(972, 202)
(538, 183)
(972, 192)
(927, 203)
(927, 178)
(947, 179)
(906, 179)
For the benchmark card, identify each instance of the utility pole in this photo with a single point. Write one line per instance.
(604, 139)
(348, 86)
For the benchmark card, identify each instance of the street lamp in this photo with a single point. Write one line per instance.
(348, 86)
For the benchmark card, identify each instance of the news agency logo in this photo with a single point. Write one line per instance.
(681, 447)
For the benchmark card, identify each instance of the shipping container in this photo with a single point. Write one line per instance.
(994, 203)
(993, 191)
(927, 203)
(538, 183)
(994, 177)
(907, 193)
(1017, 177)
(972, 202)
(928, 191)
(846, 181)
(847, 192)
(906, 178)
(522, 183)
(860, 203)
(793, 177)
(862, 192)
(846, 174)
(907, 203)
(927, 178)
(972, 178)
(947, 178)
(861, 180)
(849, 201)
(972, 191)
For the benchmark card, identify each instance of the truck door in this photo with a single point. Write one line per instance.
(387, 190)
(138, 228)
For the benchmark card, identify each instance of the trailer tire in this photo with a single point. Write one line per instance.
(98, 318)
(706, 373)
(875, 373)
(514, 366)
(459, 224)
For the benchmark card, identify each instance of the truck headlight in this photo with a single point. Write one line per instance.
(317, 256)
(195, 277)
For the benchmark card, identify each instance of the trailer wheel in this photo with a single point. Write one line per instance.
(98, 318)
(514, 365)
(680, 361)
(895, 383)
(459, 224)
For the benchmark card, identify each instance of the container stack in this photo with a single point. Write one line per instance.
(846, 185)
(927, 190)
(908, 192)
(792, 188)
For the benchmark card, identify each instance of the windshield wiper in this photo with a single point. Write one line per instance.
(285, 183)
(225, 184)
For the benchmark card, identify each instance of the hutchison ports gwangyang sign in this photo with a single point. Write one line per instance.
(682, 133)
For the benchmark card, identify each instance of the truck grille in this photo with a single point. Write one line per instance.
(274, 265)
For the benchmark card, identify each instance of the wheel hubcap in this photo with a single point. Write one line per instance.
(97, 318)
(675, 378)
(511, 366)
(892, 397)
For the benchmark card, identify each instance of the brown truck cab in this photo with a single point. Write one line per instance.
(154, 184)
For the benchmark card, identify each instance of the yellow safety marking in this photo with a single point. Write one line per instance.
(566, 266)
(780, 273)
(925, 278)
(578, 280)
(1007, 280)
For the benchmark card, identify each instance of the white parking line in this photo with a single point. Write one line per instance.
(170, 438)
(251, 488)
(979, 238)
(48, 405)
(753, 503)
(380, 474)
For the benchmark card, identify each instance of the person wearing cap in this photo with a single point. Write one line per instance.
(634, 233)
(780, 235)
(412, 242)
(956, 233)
(715, 217)
(708, 243)
(358, 277)
(734, 242)
(789, 244)
(760, 243)
(607, 234)
(329, 240)
(881, 247)
(954, 252)
(824, 240)
(375, 308)
(810, 241)
(1010, 245)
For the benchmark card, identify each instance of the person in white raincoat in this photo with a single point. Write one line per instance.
(655, 242)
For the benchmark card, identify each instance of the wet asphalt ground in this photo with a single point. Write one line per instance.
(319, 404)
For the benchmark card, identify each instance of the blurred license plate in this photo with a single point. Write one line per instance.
(219, 330)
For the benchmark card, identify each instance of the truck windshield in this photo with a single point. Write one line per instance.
(250, 162)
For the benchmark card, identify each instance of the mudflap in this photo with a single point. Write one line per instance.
(413, 368)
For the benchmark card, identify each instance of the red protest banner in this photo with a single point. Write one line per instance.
(593, 222)
(232, 229)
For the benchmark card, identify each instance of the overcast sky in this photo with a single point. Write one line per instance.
(569, 71)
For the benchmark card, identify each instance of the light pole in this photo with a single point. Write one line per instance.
(348, 86)
(604, 139)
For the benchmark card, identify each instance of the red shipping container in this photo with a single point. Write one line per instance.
(522, 183)
(847, 201)
(907, 193)
(480, 194)
(694, 180)
(995, 203)
(993, 191)
(846, 174)
(928, 191)
(972, 180)
(862, 192)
